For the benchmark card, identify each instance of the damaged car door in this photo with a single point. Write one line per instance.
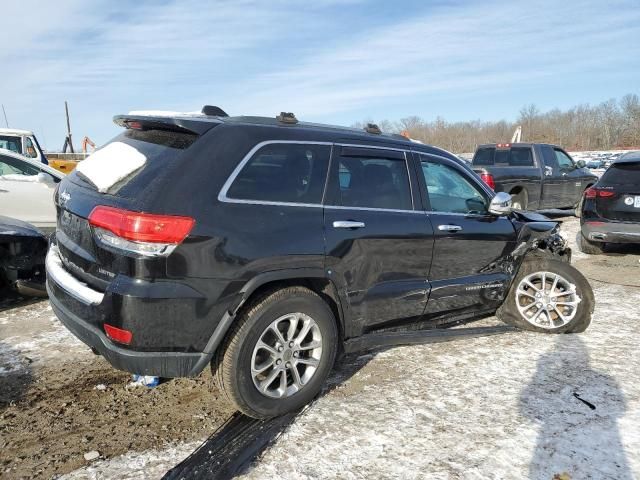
(470, 271)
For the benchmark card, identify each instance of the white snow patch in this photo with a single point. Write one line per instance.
(110, 164)
(135, 465)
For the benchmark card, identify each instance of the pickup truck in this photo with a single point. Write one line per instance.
(23, 142)
(538, 176)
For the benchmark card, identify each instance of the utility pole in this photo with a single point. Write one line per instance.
(67, 140)
(5, 116)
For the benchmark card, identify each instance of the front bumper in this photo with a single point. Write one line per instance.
(83, 311)
(611, 232)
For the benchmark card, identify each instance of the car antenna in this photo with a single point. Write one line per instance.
(213, 111)
(5, 116)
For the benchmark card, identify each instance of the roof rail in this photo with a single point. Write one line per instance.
(213, 111)
(287, 117)
(372, 128)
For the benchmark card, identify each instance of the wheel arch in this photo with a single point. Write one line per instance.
(312, 278)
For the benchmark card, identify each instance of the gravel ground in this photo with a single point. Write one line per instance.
(517, 405)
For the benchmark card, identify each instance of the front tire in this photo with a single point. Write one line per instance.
(279, 353)
(548, 296)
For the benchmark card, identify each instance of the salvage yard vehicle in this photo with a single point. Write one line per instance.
(611, 208)
(264, 246)
(536, 175)
(22, 253)
(26, 190)
(22, 142)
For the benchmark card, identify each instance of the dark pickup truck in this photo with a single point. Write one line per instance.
(536, 175)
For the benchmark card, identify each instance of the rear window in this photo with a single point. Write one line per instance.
(622, 174)
(286, 172)
(508, 157)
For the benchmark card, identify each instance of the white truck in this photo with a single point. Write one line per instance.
(22, 142)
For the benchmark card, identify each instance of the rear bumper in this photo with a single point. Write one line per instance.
(160, 364)
(611, 232)
(84, 311)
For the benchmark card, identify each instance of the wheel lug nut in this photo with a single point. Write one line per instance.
(538, 304)
(295, 354)
(278, 362)
(290, 344)
(280, 349)
(288, 365)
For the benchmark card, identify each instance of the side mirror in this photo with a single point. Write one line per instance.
(501, 204)
(581, 163)
(44, 177)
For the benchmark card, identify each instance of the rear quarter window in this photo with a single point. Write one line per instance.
(289, 173)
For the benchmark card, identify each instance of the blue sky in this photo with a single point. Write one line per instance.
(334, 61)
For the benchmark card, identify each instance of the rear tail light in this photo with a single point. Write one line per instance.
(488, 179)
(593, 192)
(143, 233)
(118, 334)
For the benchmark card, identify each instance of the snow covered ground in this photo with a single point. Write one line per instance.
(517, 405)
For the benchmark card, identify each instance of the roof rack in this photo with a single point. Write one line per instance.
(213, 111)
(373, 128)
(287, 117)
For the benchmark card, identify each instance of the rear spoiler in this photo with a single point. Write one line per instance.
(187, 124)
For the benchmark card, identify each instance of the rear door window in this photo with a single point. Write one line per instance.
(283, 172)
(484, 156)
(370, 179)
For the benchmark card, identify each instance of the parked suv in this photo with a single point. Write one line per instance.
(611, 208)
(264, 246)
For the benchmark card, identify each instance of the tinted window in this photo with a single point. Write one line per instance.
(292, 173)
(13, 166)
(374, 183)
(484, 156)
(521, 157)
(450, 191)
(622, 174)
(549, 157)
(13, 144)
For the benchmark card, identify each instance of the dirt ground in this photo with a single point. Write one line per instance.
(495, 407)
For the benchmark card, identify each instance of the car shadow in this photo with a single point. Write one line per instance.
(231, 449)
(15, 376)
(576, 408)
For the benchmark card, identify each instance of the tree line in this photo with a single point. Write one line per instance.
(609, 125)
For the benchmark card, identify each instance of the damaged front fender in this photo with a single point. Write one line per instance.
(539, 235)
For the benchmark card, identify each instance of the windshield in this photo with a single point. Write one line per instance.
(13, 144)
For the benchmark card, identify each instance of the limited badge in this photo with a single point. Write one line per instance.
(628, 200)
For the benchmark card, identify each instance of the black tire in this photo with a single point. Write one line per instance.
(233, 362)
(588, 247)
(510, 314)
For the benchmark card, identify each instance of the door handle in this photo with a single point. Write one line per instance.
(347, 224)
(449, 228)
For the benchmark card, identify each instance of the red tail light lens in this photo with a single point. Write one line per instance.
(488, 179)
(142, 227)
(118, 334)
(596, 192)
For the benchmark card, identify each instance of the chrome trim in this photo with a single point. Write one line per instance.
(368, 209)
(67, 282)
(347, 224)
(449, 228)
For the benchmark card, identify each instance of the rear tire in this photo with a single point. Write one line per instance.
(298, 363)
(566, 291)
(588, 247)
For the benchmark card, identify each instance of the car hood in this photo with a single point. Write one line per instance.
(15, 227)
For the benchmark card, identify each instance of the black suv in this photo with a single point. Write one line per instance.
(611, 208)
(264, 246)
